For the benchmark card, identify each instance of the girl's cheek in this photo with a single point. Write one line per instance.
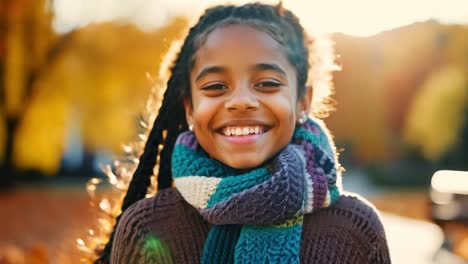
(284, 103)
(206, 108)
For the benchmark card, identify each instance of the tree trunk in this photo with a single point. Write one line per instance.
(7, 169)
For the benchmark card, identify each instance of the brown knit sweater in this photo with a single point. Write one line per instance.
(166, 229)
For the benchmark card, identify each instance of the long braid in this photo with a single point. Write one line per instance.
(173, 130)
(171, 120)
(141, 178)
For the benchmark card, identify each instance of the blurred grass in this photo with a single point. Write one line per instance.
(42, 223)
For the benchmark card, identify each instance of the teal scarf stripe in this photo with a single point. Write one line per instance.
(185, 162)
(268, 244)
(220, 244)
(334, 194)
(232, 185)
(303, 134)
(252, 244)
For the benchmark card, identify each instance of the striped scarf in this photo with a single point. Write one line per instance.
(257, 215)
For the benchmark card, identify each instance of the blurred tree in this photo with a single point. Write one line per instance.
(456, 157)
(457, 53)
(382, 77)
(436, 123)
(105, 78)
(437, 114)
(95, 76)
(410, 53)
(29, 49)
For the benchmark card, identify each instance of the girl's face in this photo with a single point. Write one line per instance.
(244, 96)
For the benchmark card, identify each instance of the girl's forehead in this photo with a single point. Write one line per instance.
(239, 43)
(241, 31)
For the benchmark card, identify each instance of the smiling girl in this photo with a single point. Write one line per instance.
(245, 176)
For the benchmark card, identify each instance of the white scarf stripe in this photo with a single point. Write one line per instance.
(197, 190)
(327, 201)
(310, 195)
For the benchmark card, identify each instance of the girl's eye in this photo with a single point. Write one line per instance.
(214, 87)
(268, 84)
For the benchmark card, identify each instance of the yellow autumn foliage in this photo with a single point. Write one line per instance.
(436, 115)
(40, 136)
(105, 77)
(98, 80)
(15, 67)
(29, 35)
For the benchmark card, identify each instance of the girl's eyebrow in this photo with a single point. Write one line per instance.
(207, 70)
(269, 66)
(256, 67)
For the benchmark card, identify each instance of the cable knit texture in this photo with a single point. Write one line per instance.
(258, 214)
(166, 229)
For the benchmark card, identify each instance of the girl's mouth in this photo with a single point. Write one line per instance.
(237, 131)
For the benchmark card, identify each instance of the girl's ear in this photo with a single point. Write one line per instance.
(188, 111)
(304, 103)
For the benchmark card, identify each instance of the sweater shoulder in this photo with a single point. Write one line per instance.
(357, 209)
(135, 233)
(351, 225)
(351, 212)
(163, 205)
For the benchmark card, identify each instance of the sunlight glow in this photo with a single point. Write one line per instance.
(368, 17)
(357, 17)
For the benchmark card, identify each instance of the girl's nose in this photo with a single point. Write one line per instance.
(241, 99)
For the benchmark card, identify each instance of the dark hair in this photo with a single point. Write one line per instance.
(280, 24)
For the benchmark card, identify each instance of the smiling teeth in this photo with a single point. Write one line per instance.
(242, 131)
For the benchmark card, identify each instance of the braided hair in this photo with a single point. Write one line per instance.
(282, 25)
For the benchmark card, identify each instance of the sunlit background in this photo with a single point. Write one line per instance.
(75, 77)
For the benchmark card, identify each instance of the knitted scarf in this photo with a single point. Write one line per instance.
(257, 215)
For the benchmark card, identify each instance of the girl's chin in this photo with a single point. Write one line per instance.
(248, 159)
(243, 163)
